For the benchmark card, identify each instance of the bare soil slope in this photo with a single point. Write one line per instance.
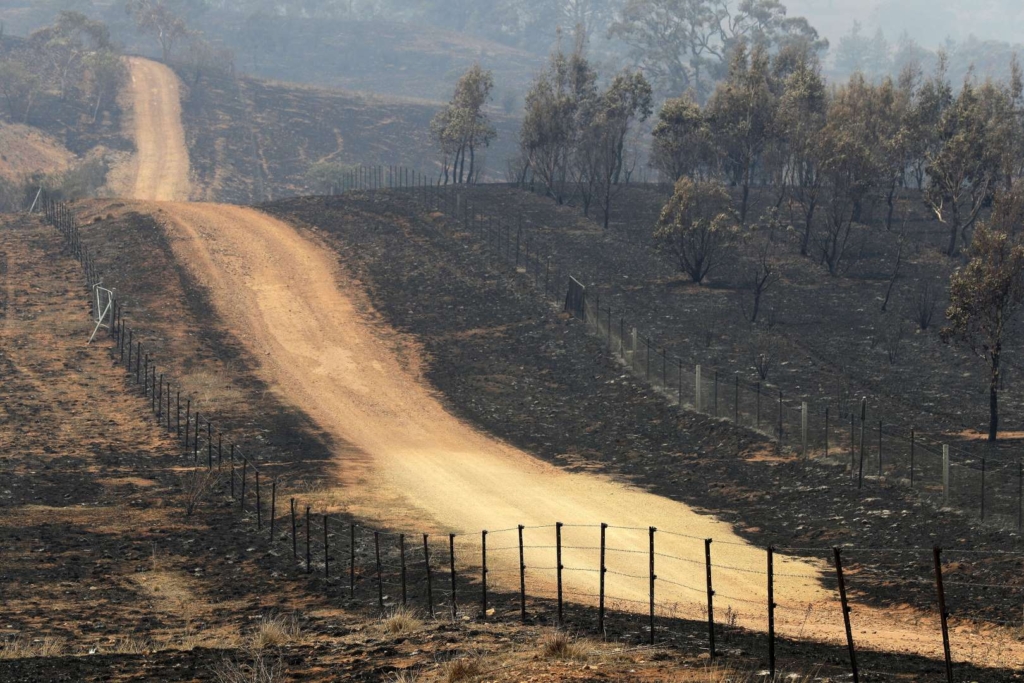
(25, 150)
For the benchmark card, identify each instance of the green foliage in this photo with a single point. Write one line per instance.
(557, 107)
(681, 145)
(964, 165)
(73, 59)
(986, 294)
(696, 227)
(741, 114)
(462, 126)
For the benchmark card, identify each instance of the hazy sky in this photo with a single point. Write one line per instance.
(928, 21)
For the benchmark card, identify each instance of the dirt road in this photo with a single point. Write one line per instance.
(404, 461)
(160, 167)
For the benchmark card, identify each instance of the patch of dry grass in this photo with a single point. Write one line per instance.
(401, 621)
(260, 669)
(18, 648)
(130, 645)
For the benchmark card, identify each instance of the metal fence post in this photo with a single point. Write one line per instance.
(846, 611)
(295, 542)
(327, 552)
(943, 614)
(273, 507)
(380, 576)
(771, 612)
(483, 573)
(803, 428)
(826, 431)
(559, 567)
(912, 457)
(879, 450)
(945, 473)
(401, 557)
(522, 576)
(309, 558)
(451, 557)
(711, 597)
(430, 585)
(698, 394)
(651, 531)
(352, 561)
(603, 570)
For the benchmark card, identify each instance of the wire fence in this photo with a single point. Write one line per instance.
(652, 584)
(979, 479)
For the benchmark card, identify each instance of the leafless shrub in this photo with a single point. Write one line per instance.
(706, 328)
(842, 399)
(893, 336)
(765, 349)
(925, 304)
(196, 486)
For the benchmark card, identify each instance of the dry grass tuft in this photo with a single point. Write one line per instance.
(401, 621)
(275, 631)
(17, 648)
(404, 677)
(130, 645)
(461, 669)
(260, 670)
(560, 645)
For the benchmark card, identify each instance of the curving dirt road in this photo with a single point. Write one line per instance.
(408, 462)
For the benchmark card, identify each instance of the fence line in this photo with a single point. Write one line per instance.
(446, 571)
(835, 432)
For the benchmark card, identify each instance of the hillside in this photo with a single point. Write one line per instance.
(252, 140)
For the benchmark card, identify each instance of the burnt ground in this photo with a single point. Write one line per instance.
(104, 576)
(148, 589)
(503, 359)
(831, 330)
